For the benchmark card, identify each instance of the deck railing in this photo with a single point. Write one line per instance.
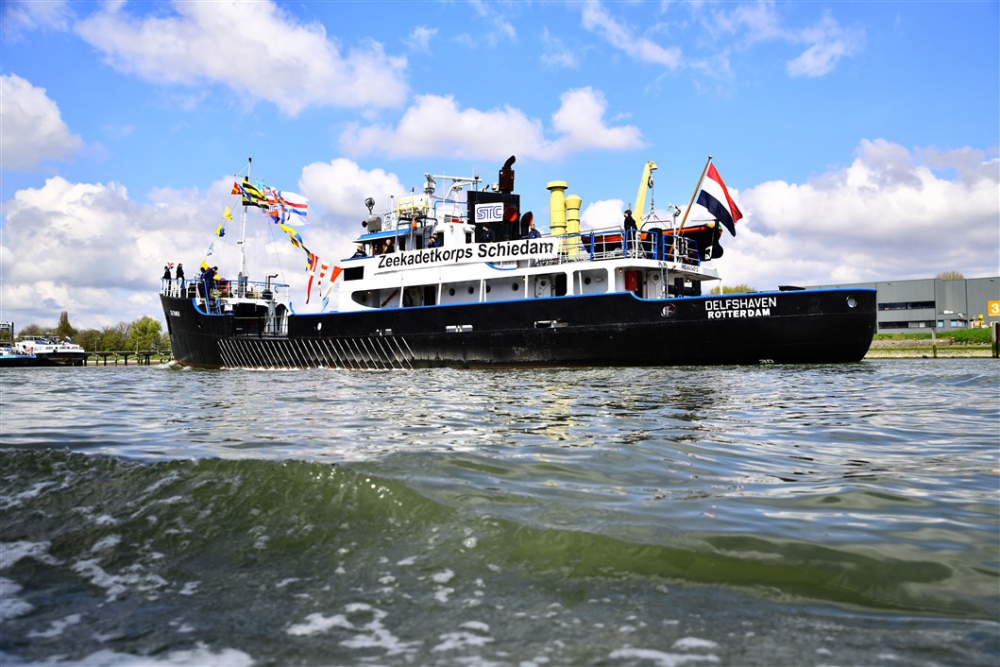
(247, 289)
(603, 244)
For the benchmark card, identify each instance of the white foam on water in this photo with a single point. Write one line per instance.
(659, 657)
(10, 605)
(190, 588)
(317, 623)
(108, 542)
(476, 625)
(118, 584)
(369, 630)
(12, 552)
(285, 582)
(155, 486)
(56, 627)
(472, 634)
(17, 499)
(694, 643)
(443, 577)
(198, 657)
(442, 593)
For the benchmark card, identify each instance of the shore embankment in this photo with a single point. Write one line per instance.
(917, 349)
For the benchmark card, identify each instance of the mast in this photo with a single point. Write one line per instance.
(694, 194)
(243, 232)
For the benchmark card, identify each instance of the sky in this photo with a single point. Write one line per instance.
(859, 139)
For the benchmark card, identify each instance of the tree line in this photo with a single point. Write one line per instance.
(143, 334)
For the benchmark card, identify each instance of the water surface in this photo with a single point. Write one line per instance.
(806, 515)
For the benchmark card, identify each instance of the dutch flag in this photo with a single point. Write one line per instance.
(295, 203)
(715, 197)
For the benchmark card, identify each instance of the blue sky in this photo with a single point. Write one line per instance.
(860, 139)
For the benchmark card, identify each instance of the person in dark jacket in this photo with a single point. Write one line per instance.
(630, 230)
(208, 280)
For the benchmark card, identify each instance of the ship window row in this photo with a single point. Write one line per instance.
(644, 284)
(474, 291)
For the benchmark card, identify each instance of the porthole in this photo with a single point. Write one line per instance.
(586, 281)
(669, 310)
(852, 302)
(489, 289)
(451, 291)
(472, 290)
(514, 287)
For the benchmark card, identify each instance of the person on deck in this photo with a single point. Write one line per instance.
(533, 232)
(166, 276)
(436, 241)
(630, 230)
(180, 276)
(208, 278)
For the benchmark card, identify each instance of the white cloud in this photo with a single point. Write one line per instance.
(21, 16)
(501, 26)
(556, 54)
(340, 188)
(89, 249)
(271, 58)
(420, 38)
(828, 44)
(580, 124)
(602, 214)
(621, 37)
(727, 28)
(886, 216)
(78, 247)
(435, 125)
(33, 128)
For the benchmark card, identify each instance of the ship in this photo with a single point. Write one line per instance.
(11, 359)
(44, 351)
(464, 279)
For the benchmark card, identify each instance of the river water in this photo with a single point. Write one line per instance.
(807, 515)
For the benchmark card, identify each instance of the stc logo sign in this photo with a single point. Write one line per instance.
(489, 213)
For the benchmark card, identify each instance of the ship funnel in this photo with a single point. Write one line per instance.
(557, 207)
(506, 184)
(573, 221)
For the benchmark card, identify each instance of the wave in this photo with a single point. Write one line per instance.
(281, 519)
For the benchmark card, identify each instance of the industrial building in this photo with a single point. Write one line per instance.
(932, 303)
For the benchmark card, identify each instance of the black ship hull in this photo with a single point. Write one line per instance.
(44, 360)
(784, 327)
(19, 361)
(62, 359)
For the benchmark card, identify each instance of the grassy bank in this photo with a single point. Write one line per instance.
(954, 344)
